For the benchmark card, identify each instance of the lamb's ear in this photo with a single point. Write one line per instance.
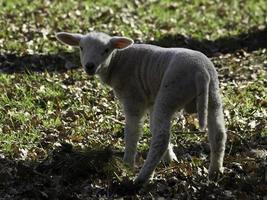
(120, 42)
(71, 39)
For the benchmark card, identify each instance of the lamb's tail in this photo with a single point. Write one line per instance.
(202, 86)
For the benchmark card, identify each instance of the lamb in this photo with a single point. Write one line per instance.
(161, 81)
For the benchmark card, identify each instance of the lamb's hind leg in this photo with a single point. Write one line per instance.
(169, 155)
(217, 134)
(169, 100)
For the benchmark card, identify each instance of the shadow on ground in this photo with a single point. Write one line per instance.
(64, 174)
(68, 173)
(252, 40)
(13, 63)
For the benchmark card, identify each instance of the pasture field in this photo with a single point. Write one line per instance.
(61, 132)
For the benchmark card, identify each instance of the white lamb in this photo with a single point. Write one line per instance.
(161, 81)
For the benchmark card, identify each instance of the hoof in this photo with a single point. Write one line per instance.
(127, 187)
(215, 175)
(129, 162)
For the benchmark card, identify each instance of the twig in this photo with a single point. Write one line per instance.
(115, 120)
(166, 169)
(236, 134)
(240, 137)
(190, 132)
(230, 150)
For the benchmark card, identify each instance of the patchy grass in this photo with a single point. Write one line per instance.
(34, 24)
(45, 100)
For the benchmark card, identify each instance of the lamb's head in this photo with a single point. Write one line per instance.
(95, 48)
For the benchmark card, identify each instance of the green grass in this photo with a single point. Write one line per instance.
(30, 26)
(39, 107)
(38, 110)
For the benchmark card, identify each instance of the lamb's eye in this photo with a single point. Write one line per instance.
(81, 48)
(106, 50)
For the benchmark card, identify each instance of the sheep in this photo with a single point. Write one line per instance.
(160, 81)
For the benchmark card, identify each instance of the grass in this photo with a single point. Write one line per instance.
(34, 103)
(39, 104)
(34, 24)
(40, 110)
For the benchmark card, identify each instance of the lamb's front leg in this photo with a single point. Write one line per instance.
(132, 133)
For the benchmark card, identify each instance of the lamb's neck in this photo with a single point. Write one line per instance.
(107, 68)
